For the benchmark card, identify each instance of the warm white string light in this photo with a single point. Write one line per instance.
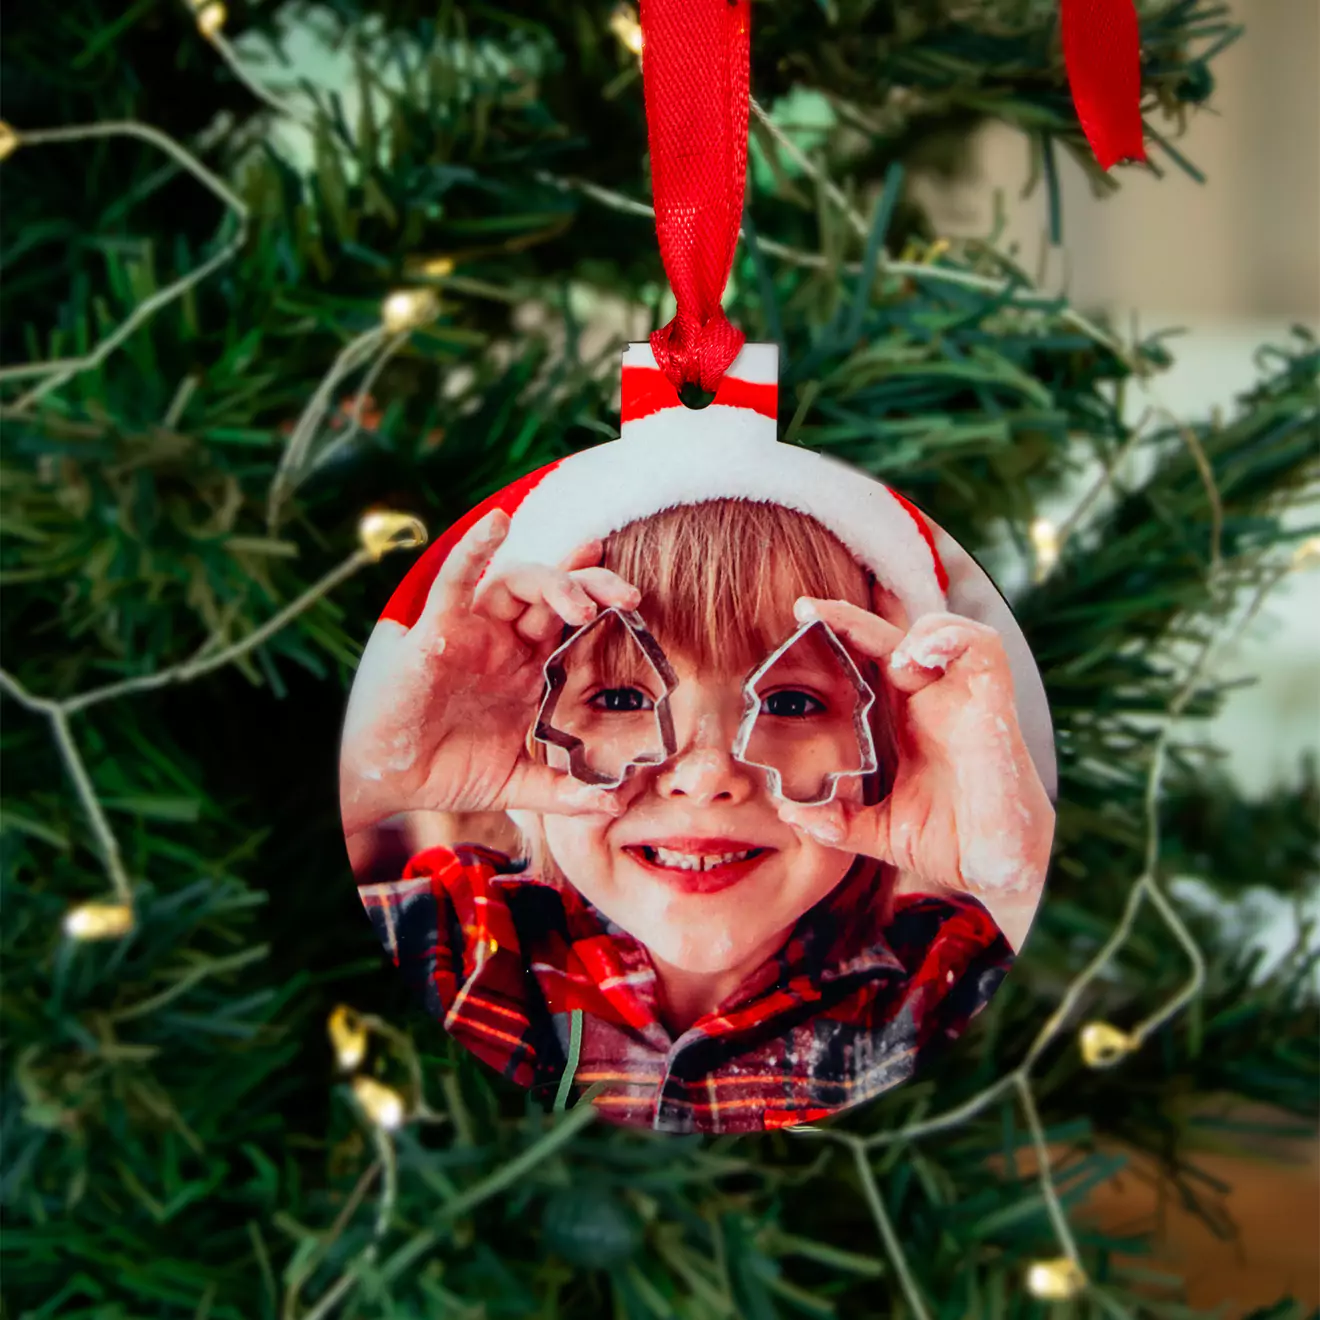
(1045, 544)
(348, 1036)
(99, 921)
(627, 27)
(382, 1104)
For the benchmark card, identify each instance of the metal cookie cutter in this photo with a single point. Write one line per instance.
(556, 674)
(861, 721)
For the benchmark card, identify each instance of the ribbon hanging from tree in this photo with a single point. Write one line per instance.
(696, 81)
(1102, 50)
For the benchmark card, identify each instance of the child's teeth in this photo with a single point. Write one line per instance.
(691, 862)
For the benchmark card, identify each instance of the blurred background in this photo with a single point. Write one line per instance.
(1232, 261)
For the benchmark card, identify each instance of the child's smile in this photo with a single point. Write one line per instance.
(698, 865)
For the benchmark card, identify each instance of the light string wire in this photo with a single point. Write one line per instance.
(402, 313)
(58, 712)
(371, 349)
(55, 372)
(358, 353)
(1012, 292)
(234, 61)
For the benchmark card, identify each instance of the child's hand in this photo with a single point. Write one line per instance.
(967, 810)
(441, 711)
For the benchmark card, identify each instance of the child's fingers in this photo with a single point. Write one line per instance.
(586, 555)
(496, 601)
(456, 582)
(536, 787)
(935, 644)
(608, 588)
(863, 830)
(873, 636)
(538, 625)
(574, 597)
(534, 584)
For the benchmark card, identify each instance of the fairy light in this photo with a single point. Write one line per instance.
(1045, 543)
(627, 28)
(1103, 1045)
(384, 530)
(382, 1104)
(348, 1035)
(8, 141)
(98, 921)
(1058, 1280)
(409, 309)
(1307, 554)
(211, 19)
(437, 267)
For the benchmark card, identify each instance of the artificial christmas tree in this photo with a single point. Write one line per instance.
(232, 382)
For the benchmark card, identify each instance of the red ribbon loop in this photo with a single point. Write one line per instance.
(1102, 50)
(696, 80)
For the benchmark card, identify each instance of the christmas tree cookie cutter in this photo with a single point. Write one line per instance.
(556, 676)
(861, 711)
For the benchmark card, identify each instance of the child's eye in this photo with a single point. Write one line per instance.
(620, 700)
(792, 704)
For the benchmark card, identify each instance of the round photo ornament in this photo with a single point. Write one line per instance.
(696, 769)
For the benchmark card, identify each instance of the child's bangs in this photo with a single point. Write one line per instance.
(719, 579)
(609, 656)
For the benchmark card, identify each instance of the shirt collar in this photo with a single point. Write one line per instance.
(841, 938)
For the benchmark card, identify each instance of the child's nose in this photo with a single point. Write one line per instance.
(704, 769)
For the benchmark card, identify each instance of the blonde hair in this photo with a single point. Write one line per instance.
(718, 581)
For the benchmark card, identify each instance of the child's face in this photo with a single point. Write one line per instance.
(699, 867)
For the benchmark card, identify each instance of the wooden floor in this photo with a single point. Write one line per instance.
(1275, 1203)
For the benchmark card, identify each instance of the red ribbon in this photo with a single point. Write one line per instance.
(1102, 49)
(696, 79)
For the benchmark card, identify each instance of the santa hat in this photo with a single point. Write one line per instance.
(669, 455)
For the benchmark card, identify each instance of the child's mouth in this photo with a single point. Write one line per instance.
(699, 868)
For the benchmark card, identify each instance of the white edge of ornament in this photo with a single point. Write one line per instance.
(676, 455)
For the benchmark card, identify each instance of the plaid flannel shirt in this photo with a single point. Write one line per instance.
(844, 1011)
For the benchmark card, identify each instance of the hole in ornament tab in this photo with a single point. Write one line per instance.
(693, 396)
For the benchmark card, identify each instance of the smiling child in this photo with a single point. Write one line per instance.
(740, 960)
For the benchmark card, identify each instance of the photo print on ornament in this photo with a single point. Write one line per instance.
(714, 746)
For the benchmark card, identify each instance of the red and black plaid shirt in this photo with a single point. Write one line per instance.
(844, 1011)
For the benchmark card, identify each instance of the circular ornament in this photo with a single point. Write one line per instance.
(700, 771)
